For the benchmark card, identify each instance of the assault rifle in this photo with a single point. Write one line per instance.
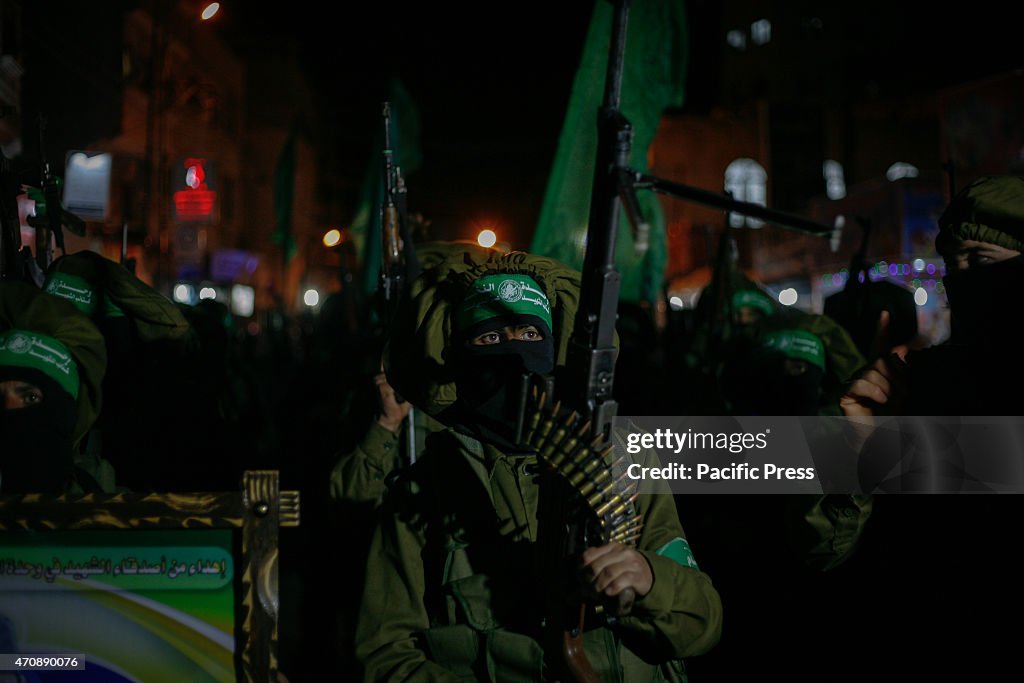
(399, 265)
(581, 509)
(49, 221)
(567, 527)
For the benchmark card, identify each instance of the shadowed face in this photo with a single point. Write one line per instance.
(16, 394)
(746, 315)
(967, 254)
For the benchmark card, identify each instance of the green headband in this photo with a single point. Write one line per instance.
(75, 289)
(752, 299)
(79, 292)
(798, 344)
(504, 294)
(24, 349)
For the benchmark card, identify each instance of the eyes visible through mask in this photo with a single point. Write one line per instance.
(971, 254)
(527, 333)
(15, 394)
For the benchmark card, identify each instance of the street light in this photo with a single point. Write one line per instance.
(209, 11)
(487, 238)
(788, 297)
(332, 237)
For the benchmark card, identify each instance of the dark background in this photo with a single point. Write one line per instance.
(492, 82)
(934, 586)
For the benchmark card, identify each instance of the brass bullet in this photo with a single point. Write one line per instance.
(572, 455)
(631, 540)
(531, 429)
(607, 505)
(555, 438)
(543, 429)
(596, 480)
(607, 491)
(620, 533)
(623, 506)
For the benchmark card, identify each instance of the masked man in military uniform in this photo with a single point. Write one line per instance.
(454, 590)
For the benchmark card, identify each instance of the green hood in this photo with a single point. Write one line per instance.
(990, 209)
(24, 307)
(842, 359)
(100, 287)
(417, 359)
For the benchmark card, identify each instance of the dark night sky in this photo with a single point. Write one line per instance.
(491, 87)
(492, 82)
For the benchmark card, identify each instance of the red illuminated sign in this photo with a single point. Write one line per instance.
(196, 201)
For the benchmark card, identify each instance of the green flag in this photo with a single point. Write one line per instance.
(406, 154)
(653, 77)
(284, 196)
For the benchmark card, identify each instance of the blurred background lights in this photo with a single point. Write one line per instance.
(487, 238)
(209, 11)
(332, 237)
(184, 293)
(243, 300)
(788, 297)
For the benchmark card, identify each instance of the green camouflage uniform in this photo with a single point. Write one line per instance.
(453, 588)
(360, 475)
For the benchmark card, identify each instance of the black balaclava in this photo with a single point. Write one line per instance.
(797, 394)
(764, 387)
(978, 303)
(489, 379)
(36, 452)
(780, 375)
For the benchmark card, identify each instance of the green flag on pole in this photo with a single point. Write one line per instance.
(654, 71)
(406, 154)
(284, 197)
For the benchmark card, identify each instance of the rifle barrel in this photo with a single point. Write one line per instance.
(781, 219)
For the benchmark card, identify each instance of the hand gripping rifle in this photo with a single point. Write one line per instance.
(399, 266)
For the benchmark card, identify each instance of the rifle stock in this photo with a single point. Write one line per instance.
(573, 654)
(565, 612)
